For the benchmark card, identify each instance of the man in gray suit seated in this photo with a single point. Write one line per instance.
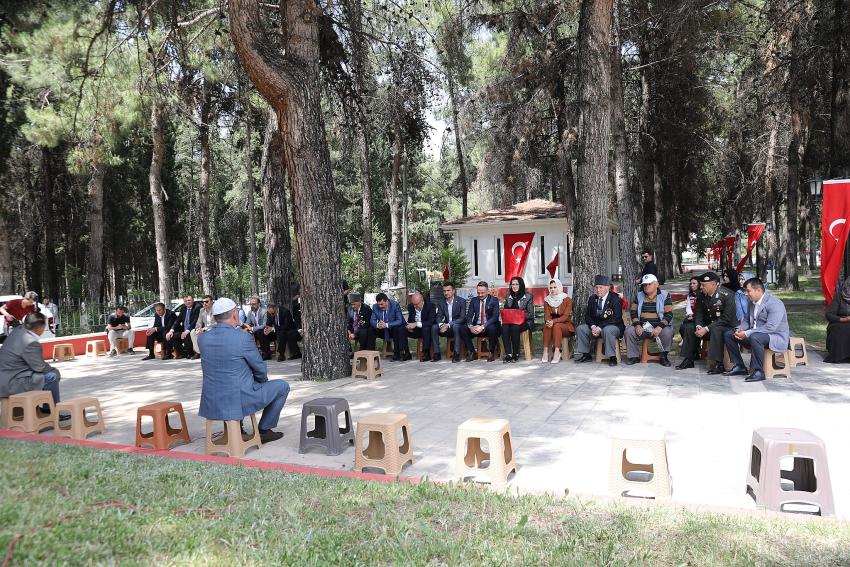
(765, 326)
(235, 381)
(22, 366)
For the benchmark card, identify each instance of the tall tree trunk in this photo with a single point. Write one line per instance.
(6, 273)
(839, 123)
(252, 209)
(47, 179)
(564, 154)
(625, 203)
(366, 214)
(789, 231)
(647, 147)
(288, 77)
(461, 159)
(276, 217)
(97, 172)
(394, 201)
(158, 200)
(594, 95)
(205, 117)
(769, 199)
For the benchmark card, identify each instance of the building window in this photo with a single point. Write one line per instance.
(498, 256)
(475, 256)
(543, 261)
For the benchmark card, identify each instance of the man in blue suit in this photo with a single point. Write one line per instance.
(765, 326)
(482, 318)
(235, 380)
(389, 325)
(451, 319)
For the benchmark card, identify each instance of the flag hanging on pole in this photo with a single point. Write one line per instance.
(729, 242)
(754, 232)
(836, 211)
(446, 273)
(553, 265)
(517, 247)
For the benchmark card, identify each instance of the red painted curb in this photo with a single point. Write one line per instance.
(293, 469)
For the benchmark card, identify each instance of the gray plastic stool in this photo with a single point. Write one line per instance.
(327, 433)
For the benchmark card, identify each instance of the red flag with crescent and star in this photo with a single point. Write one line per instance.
(836, 211)
(553, 265)
(517, 247)
(754, 232)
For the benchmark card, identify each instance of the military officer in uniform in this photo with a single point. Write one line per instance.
(714, 315)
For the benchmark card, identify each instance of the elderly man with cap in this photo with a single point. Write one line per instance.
(603, 318)
(652, 318)
(714, 314)
(235, 380)
(358, 315)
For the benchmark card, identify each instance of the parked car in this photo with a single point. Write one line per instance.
(143, 318)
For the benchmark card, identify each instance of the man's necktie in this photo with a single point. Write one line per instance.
(483, 307)
(599, 307)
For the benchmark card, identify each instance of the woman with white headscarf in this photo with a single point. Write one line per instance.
(557, 310)
(838, 330)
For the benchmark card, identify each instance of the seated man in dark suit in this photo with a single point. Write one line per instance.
(358, 316)
(451, 320)
(235, 378)
(420, 320)
(603, 319)
(158, 331)
(482, 318)
(185, 319)
(389, 325)
(280, 326)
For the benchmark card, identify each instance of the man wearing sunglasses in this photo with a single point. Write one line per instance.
(649, 266)
(205, 322)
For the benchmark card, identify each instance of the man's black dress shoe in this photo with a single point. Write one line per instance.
(395, 358)
(736, 371)
(167, 357)
(632, 360)
(471, 356)
(756, 376)
(612, 361)
(426, 358)
(686, 363)
(455, 358)
(436, 358)
(149, 357)
(664, 361)
(715, 370)
(270, 435)
(406, 356)
(584, 358)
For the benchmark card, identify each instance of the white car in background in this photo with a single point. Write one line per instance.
(143, 318)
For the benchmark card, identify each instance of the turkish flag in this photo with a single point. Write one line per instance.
(729, 241)
(836, 211)
(446, 273)
(517, 247)
(754, 232)
(553, 265)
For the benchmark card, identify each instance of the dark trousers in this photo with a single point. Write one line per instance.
(716, 336)
(492, 332)
(510, 337)
(690, 342)
(184, 346)
(454, 331)
(756, 342)
(365, 337)
(398, 335)
(159, 335)
(418, 333)
(288, 339)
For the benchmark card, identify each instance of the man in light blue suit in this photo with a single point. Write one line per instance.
(764, 326)
(235, 380)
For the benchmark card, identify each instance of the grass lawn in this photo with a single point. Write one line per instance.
(80, 506)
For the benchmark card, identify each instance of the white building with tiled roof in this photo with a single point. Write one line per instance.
(482, 238)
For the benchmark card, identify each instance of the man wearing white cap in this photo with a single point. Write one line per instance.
(236, 383)
(652, 318)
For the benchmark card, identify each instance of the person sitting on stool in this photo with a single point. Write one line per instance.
(765, 326)
(603, 319)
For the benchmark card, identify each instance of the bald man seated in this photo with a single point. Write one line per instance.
(421, 316)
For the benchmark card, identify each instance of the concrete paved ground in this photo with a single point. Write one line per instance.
(561, 415)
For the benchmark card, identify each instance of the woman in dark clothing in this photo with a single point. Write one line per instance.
(517, 298)
(838, 330)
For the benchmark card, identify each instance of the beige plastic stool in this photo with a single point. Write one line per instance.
(25, 411)
(367, 363)
(796, 359)
(809, 479)
(770, 364)
(567, 349)
(95, 348)
(600, 348)
(231, 441)
(383, 451)
(525, 339)
(79, 426)
(122, 344)
(62, 352)
(659, 484)
(5, 412)
(469, 455)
